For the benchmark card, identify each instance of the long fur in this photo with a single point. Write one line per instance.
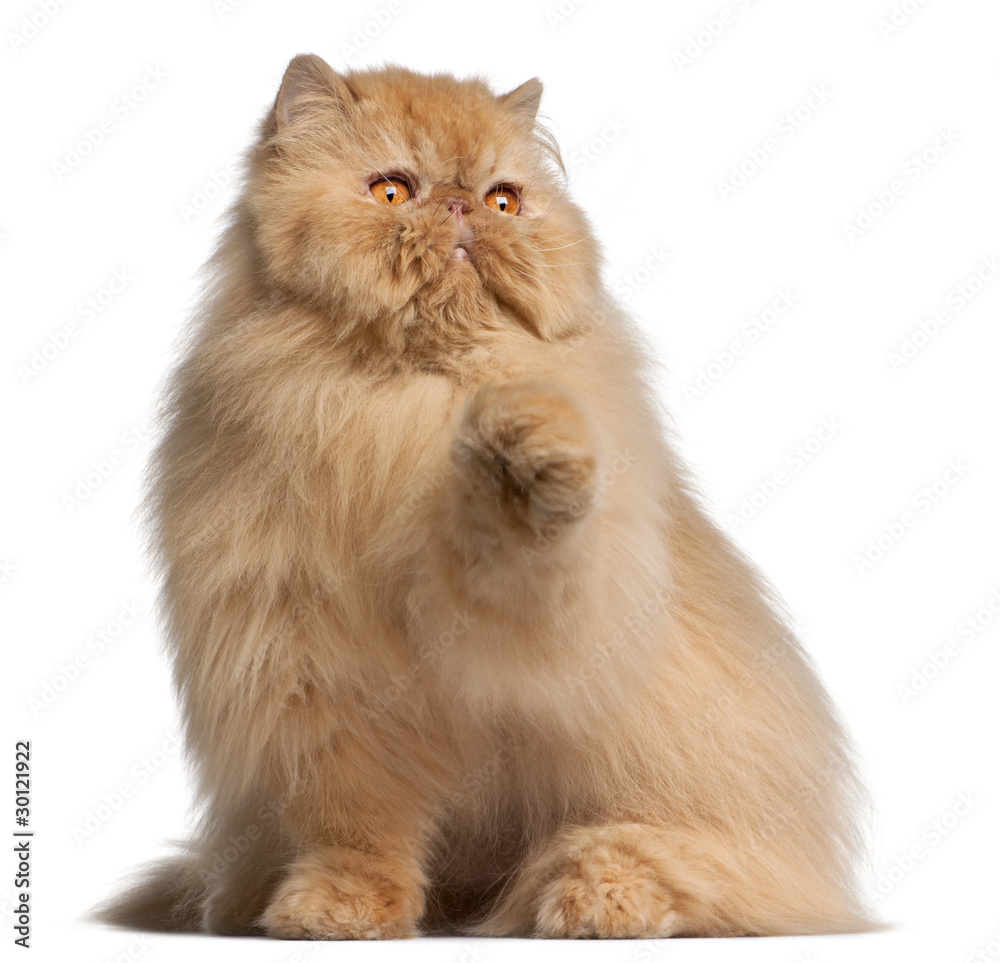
(458, 648)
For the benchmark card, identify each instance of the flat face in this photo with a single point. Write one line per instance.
(406, 200)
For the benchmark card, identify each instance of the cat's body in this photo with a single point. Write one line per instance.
(456, 645)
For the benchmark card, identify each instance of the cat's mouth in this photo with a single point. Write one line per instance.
(461, 250)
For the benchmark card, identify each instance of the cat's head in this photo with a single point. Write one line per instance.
(415, 206)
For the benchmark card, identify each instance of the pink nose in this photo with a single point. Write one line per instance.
(458, 207)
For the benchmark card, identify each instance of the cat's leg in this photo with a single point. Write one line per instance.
(360, 834)
(641, 881)
(527, 463)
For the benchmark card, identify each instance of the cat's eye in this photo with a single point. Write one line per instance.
(503, 199)
(390, 190)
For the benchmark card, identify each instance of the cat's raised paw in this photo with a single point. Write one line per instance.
(528, 447)
(336, 902)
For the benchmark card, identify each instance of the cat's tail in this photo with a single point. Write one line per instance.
(166, 896)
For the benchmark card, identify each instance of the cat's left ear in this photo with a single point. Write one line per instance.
(524, 100)
(309, 83)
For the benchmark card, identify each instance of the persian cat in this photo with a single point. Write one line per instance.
(458, 650)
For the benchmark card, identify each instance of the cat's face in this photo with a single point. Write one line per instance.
(415, 205)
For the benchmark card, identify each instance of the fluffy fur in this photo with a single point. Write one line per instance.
(457, 647)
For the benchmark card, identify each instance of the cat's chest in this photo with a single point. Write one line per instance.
(390, 436)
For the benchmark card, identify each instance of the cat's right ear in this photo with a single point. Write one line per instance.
(309, 84)
(524, 100)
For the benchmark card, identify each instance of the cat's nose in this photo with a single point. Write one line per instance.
(458, 207)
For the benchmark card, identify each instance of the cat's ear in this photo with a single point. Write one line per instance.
(309, 83)
(524, 100)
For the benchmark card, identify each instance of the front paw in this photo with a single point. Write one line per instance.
(528, 449)
(344, 895)
(603, 887)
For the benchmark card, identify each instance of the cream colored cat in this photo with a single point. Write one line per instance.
(457, 647)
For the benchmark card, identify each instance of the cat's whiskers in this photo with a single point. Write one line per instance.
(562, 247)
(548, 282)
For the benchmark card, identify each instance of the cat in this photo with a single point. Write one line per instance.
(458, 649)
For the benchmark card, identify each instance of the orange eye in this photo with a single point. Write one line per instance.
(503, 200)
(390, 190)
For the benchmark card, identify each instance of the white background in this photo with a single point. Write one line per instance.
(648, 140)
